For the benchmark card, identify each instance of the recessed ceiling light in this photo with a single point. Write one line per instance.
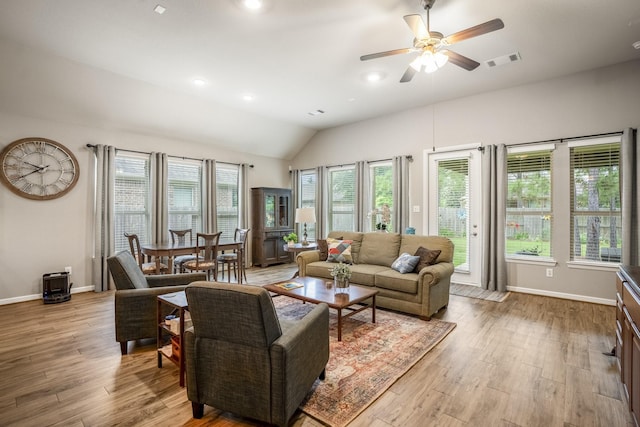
(374, 76)
(252, 4)
(351, 99)
(248, 97)
(199, 82)
(160, 9)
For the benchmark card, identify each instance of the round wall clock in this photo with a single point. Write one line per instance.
(38, 168)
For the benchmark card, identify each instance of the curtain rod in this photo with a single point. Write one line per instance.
(177, 157)
(561, 140)
(408, 156)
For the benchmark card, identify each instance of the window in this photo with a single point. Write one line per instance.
(185, 195)
(381, 188)
(595, 200)
(227, 212)
(341, 209)
(529, 211)
(131, 195)
(308, 197)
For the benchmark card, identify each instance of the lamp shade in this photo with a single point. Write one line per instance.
(305, 215)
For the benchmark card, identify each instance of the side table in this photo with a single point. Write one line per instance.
(295, 249)
(174, 350)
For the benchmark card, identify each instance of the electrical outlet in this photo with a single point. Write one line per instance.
(416, 209)
(68, 270)
(549, 272)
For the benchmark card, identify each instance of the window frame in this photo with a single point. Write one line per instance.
(546, 215)
(331, 213)
(142, 230)
(572, 146)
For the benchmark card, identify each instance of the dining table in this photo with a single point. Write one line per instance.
(171, 250)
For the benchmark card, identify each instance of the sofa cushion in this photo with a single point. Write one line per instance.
(339, 251)
(426, 258)
(379, 249)
(411, 243)
(405, 263)
(392, 280)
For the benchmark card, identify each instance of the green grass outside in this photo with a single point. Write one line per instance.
(513, 246)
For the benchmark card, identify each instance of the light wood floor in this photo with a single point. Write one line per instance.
(528, 361)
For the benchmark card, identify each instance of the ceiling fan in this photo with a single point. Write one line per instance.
(432, 45)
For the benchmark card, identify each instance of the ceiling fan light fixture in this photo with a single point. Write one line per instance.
(440, 59)
(416, 64)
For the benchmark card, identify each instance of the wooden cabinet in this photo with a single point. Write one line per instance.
(628, 335)
(271, 219)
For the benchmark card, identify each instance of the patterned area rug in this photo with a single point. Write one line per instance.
(368, 360)
(477, 292)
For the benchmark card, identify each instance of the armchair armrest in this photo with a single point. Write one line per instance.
(301, 352)
(160, 280)
(136, 311)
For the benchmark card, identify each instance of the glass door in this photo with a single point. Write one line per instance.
(454, 205)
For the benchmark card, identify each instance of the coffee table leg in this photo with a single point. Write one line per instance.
(373, 309)
(339, 324)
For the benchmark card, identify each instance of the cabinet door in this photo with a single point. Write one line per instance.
(284, 210)
(634, 399)
(627, 353)
(270, 211)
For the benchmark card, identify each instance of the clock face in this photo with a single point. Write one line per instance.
(38, 168)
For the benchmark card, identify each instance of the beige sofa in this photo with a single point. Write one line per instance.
(422, 293)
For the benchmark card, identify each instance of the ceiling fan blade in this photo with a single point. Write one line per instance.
(416, 24)
(408, 75)
(387, 53)
(461, 61)
(478, 30)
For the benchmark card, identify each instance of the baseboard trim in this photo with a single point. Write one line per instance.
(562, 295)
(33, 297)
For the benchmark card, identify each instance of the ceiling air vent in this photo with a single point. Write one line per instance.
(504, 59)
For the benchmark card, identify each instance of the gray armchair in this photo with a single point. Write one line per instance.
(135, 302)
(241, 358)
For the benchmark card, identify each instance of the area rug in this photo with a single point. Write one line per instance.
(368, 360)
(477, 292)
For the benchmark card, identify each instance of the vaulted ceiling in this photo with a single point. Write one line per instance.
(120, 64)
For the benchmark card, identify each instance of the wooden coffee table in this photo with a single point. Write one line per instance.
(315, 290)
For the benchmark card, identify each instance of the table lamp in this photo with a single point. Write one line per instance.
(305, 215)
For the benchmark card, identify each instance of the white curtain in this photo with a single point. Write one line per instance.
(362, 196)
(209, 217)
(322, 197)
(400, 213)
(630, 185)
(494, 192)
(294, 182)
(243, 206)
(103, 215)
(159, 171)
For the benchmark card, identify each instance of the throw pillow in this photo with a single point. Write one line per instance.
(339, 251)
(405, 263)
(323, 249)
(427, 257)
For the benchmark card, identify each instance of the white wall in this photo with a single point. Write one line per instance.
(38, 237)
(598, 101)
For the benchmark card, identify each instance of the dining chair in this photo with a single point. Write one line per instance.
(206, 251)
(235, 258)
(146, 267)
(181, 237)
